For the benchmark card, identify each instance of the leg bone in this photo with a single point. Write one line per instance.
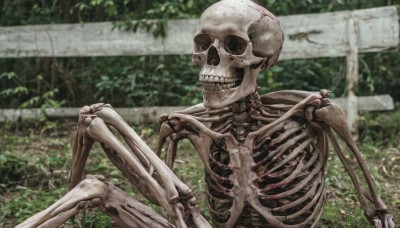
(94, 192)
(89, 189)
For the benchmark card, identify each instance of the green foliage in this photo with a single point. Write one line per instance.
(142, 81)
(383, 128)
(25, 12)
(19, 88)
(11, 169)
(309, 75)
(343, 213)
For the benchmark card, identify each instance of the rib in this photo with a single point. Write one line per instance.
(315, 156)
(285, 116)
(292, 155)
(298, 187)
(275, 175)
(223, 128)
(217, 186)
(300, 200)
(317, 209)
(304, 209)
(290, 178)
(266, 114)
(214, 213)
(273, 129)
(220, 200)
(286, 134)
(275, 154)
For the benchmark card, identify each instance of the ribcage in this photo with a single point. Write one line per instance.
(287, 164)
(289, 167)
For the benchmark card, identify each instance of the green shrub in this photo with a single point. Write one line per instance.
(381, 127)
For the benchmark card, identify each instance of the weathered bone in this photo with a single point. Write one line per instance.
(91, 188)
(171, 182)
(94, 192)
(82, 146)
(333, 116)
(232, 55)
(173, 186)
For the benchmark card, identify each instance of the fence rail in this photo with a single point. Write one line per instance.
(306, 36)
(151, 114)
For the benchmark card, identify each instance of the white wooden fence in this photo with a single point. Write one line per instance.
(151, 114)
(344, 33)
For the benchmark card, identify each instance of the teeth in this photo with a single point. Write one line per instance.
(211, 86)
(218, 83)
(216, 78)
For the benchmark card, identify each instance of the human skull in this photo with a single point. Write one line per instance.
(235, 39)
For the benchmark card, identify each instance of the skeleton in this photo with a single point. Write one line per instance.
(264, 156)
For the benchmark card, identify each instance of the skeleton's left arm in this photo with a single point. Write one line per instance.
(334, 118)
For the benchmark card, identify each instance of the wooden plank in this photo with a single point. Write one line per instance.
(326, 35)
(151, 114)
(93, 39)
(136, 115)
(352, 74)
(306, 36)
(369, 103)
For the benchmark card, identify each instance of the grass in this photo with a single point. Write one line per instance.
(35, 162)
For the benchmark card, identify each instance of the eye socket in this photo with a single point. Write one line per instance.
(202, 42)
(235, 45)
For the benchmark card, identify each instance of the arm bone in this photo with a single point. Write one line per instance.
(170, 180)
(334, 117)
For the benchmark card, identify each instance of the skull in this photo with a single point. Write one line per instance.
(235, 39)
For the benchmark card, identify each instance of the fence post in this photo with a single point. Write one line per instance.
(352, 74)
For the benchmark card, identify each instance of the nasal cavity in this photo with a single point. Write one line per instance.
(213, 57)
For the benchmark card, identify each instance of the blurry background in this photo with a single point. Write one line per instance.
(35, 156)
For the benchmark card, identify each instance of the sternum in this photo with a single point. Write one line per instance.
(242, 176)
(241, 156)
